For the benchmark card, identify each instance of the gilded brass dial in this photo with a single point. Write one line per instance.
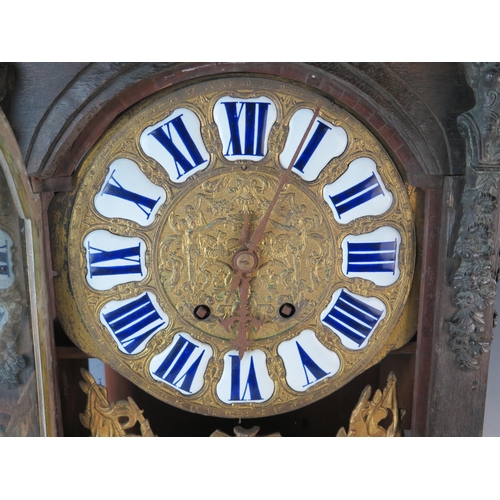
(201, 234)
(187, 251)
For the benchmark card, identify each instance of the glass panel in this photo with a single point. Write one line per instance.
(18, 384)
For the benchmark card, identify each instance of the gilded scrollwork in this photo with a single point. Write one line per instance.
(367, 415)
(105, 419)
(202, 236)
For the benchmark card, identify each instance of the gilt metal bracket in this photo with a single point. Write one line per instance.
(475, 279)
(367, 415)
(105, 419)
(242, 432)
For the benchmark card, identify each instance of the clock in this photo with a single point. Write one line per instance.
(238, 247)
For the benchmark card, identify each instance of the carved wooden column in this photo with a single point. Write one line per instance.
(459, 277)
(477, 243)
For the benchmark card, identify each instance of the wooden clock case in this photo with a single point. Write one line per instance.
(411, 108)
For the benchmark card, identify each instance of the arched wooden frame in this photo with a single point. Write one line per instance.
(428, 156)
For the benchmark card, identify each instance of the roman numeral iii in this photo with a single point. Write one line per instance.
(372, 256)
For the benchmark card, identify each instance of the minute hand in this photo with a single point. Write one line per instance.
(258, 234)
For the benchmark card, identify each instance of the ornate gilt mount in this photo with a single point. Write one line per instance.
(367, 415)
(475, 280)
(105, 419)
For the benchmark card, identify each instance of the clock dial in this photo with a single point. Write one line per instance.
(157, 273)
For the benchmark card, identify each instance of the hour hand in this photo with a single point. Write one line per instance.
(242, 318)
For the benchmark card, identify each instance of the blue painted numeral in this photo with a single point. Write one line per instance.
(174, 369)
(254, 126)
(144, 203)
(251, 385)
(4, 260)
(163, 135)
(311, 146)
(371, 257)
(352, 317)
(310, 366)
(129, 321)
(131, 255)
(357, 195)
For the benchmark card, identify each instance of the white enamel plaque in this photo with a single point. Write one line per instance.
(246, 380)
(357, 192)
(176, 144)
(132, 322)
(372, 256)
(127, 193)
(7, 276)
(113, 260)
(324, 142)
(353, 318)
(244, 126)
(4, 315)
(307, 361)
(182, 364)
